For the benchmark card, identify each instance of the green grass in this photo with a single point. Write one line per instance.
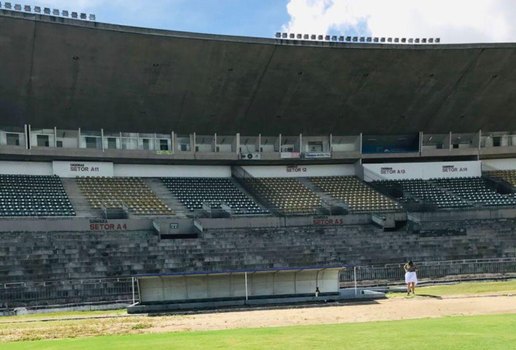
(467, 333)
(465, 288)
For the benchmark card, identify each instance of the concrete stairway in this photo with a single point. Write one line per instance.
(163, 193)
(243, 190)
(325, 197)
(79, 202)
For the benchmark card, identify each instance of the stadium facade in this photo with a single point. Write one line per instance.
(128, 151)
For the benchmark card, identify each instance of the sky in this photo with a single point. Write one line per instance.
(453, 21)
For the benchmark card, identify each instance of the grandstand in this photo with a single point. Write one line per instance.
(134, 152)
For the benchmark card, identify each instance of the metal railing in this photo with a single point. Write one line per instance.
(431, 271)
(65, 292)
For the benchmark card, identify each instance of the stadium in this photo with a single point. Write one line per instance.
(176, 171)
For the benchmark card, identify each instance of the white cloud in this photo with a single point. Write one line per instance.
(451, 20)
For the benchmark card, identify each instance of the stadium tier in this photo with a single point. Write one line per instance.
(422, 192)
(282, 135)
(131, 193)
(194, 192)
(358, 196)
(446, 193)
(476, 191)
(285, 195)
(25, 195)
(507, 175)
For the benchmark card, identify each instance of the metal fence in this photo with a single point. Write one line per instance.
(65, 292)
(111, 290)
(432, 271)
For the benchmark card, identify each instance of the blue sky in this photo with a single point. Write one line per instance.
(451, 20)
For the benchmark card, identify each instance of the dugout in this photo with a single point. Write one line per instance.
(209, 290)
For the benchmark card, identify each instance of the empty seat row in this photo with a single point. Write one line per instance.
(193, 193)
(131, 193)
(287, 195)
(506, 175)
(33, 195)
(358, 196)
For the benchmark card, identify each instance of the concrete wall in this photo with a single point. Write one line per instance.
(88, 73)
(172, 170)
(300, 170)
(27, 168)
(427, 170)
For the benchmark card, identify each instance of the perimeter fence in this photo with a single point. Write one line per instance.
(431, 271)
(120, 290)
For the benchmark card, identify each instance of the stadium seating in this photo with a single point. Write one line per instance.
(506, 175)
(287, 195)
(358, 196)
(26, 195)
(423, 191)
(193, 192)
(129, 192)
(475, 190)
(449, 193)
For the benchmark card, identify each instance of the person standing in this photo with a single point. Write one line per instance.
(410, 277)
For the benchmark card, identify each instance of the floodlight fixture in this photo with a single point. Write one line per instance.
(333, 38)
(64, 13)
(8, 5)
(55, 12)
(299, 36)
(313, 37)
(306, 36)
(326, 37)
(404, 40)
(341, 38)
(27, 8)
(348, 38)
(46, 10)
(389, 40)
(355, 39)
(430, 40)
(396, 40)
(75, 15)
(320, 37)
(369, 39)
(83, 16)
(17, 7)
(376, 39)
(37, 9)
(416, 40)
(437, 40)
(278, 35)
(423, 40)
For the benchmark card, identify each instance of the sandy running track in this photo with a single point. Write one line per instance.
(381, 310)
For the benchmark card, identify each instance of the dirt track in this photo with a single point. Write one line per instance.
(382, 310)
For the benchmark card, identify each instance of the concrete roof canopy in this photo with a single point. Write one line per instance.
(70, 74)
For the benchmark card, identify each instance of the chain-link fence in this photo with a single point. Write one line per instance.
(114, 290)
(65, 292)
(433, 271)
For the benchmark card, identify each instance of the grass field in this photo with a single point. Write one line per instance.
(117, 330)
(494, 332)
